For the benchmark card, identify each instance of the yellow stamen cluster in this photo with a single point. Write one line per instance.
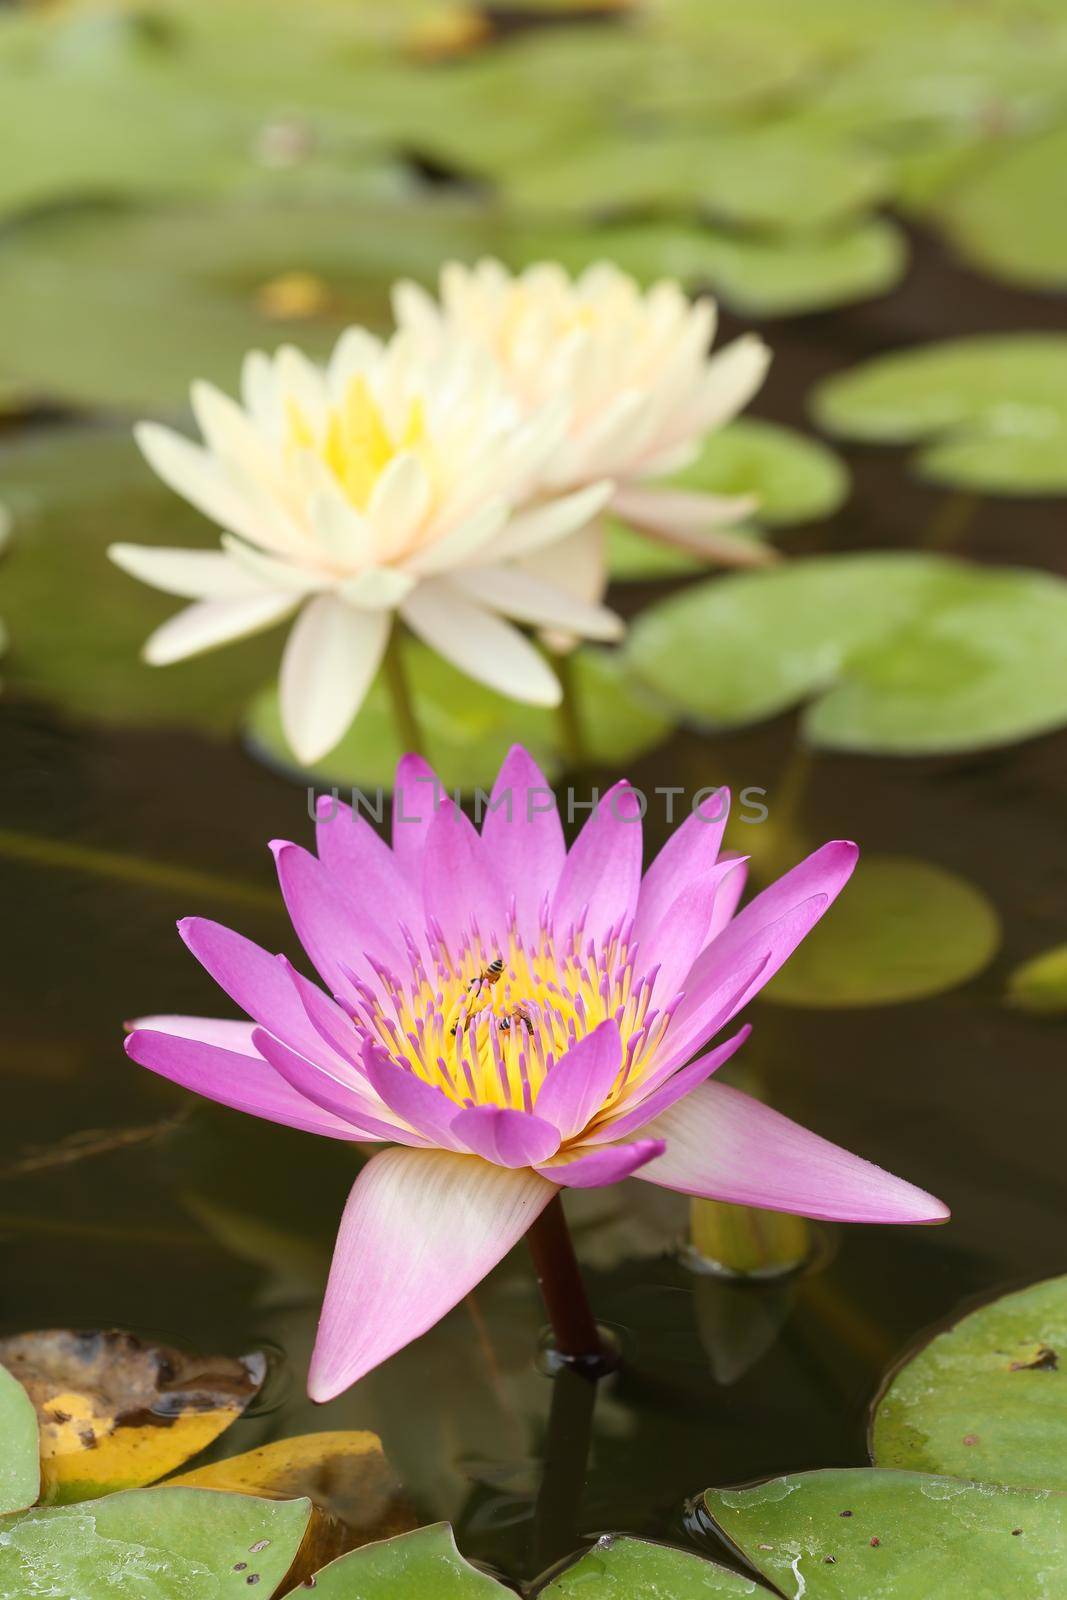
(356, 442)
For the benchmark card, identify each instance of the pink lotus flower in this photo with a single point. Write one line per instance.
(512, 1018)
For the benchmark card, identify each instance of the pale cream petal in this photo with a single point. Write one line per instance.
(577, 563)
(331, 657)
(526, 598)
(731, 378)
(553, 520)
(475, 535)
(193, 473)
(415, 310)
(377, 589)
(271, 573)
(209, 623)
(192, 574)
(398, 504)
(344, 534)
(480, 644)
(696, 523)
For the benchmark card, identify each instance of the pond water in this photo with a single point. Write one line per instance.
(121, 1203)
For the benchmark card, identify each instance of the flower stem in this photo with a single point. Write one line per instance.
(566, 1465)
(560, 1279)
(571, 733)
(407, 723)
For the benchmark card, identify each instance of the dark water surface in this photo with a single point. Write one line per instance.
(212, 1229)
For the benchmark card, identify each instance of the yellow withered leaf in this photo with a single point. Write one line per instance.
(118, 1413)
(356, 1495)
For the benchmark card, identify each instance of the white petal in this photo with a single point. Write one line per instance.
(480, 644)
(519, 594)
(416, 310)
(209, 623)
(344, 533)
(193, 473)
(271, 573)
(731, 379)
(231, 437)
(693, 522)
(331, 656)
(193, 574)
(377, 589)
(399, 502)
(577, 563)
(555, 519)
(477, 532)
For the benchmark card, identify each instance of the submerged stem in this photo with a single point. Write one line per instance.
(560, 1279)
(571, 733)
(396, 677)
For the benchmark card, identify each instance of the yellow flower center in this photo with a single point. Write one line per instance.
(356, 442)
(487, 1028)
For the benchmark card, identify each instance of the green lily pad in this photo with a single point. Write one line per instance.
(796, 479)
(1040, 984)
(757, 276)
(905, 930)
(20, 1463)
(631, 1569)
(469, 728)
(849, 1532)
(425, 1562)
(170, 1544)
(1004, 214)
(994, 408)
(901, 653)
(986, 1398)
(72, 492)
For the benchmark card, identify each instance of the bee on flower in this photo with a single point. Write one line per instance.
(387, 484)
(643, 392)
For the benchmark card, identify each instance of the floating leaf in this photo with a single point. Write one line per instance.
(72, 493)
(469, 728)
(344, 1475)
(906, 929)
(993, 406)
(116, 1413)
(166, 1544)
(20, 1467)
(1040, 984)
(985, 1398)
(901, 652)
(1007, 214)
(415, 1564)
(849, 1532)
(631, 1569)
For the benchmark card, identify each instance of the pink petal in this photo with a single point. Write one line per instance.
(675, 943)
(417, 791)
(580, 1081)
(253, 979)
(593, 1169)
(638, 1113)
(690, 852)
(340, 937)
(524, 837)
(723, 1145)
(337, 1044)
(460, 889)
(234, 1079)
(508, 1138)
(421, 1229)
(730, 892)
(236, 1036)
(422, 1107)
(357, 1106)
(360, 862)
(601, 876)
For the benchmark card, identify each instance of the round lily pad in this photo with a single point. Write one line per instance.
(632, 1569)
(985, 1398)
(468, 728)
(905, 930)
(993, 409)
(1004, 215)
(900, 653)
(849, 1532)
(20, 1470)
(425, 1562)
(1040, 984)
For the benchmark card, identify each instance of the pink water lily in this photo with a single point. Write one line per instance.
(511, 1018)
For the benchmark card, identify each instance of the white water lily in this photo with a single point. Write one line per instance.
(389, 482)
(644, 394)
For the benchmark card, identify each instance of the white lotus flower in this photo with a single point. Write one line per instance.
(388, 482)
(643, 392)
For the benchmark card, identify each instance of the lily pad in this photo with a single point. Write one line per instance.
(850, 1532)
(170, 1544)
(631, 1569)
(345, 1476)
(901, 653)
(1005, 215)
(20, 1468)
(1040, 984)
(905, 930)
(985, 1398)
(469, 728)
(72, 492)
(993, 408)
(422, 1563)
(116, 1413)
